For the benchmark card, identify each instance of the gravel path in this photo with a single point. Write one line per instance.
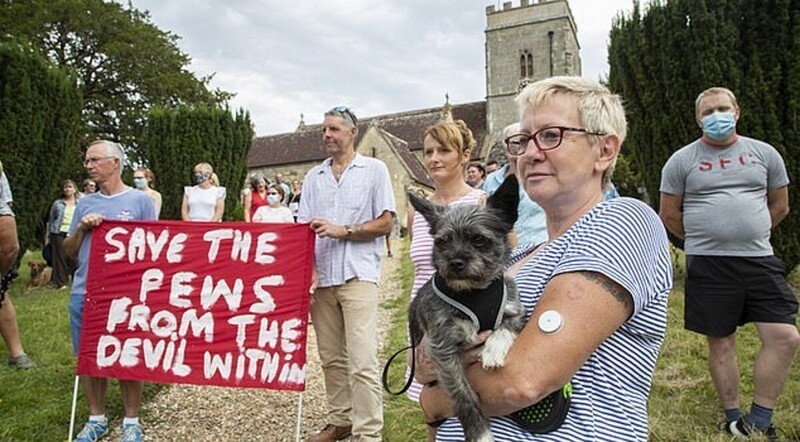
(193, 413)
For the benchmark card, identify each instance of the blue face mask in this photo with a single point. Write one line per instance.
(719, 126)
(140, 183)
(273, 199)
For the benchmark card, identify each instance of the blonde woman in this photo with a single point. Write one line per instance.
(58, 223)
(204, 201)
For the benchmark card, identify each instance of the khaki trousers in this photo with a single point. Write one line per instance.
(345, 320)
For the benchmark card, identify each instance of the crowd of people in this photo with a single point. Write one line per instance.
(593, 270)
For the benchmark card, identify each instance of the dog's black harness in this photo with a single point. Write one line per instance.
(483, 307)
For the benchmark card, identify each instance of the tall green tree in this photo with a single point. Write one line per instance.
(177, 139)
(126, 65)
(663, 56)
(40, 126)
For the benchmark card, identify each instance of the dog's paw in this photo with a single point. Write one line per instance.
(486, 437)
(496, 348)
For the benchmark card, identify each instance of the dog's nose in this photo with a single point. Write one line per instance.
(458, 264)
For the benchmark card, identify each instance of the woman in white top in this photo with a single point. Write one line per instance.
(203, 201)
(273, 212)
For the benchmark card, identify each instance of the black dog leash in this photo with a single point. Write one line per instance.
(385, 377)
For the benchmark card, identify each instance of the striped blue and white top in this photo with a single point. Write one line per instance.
(625, 240)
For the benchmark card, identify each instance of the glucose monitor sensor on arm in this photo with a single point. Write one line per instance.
(550, 321)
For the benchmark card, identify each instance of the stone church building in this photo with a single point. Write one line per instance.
(527, 42)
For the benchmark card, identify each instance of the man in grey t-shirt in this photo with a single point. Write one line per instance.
(723, 193)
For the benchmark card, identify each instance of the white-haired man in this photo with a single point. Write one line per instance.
(114, 200)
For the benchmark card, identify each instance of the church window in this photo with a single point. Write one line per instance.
(526, 64)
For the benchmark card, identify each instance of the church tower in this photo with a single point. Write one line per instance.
(525, 43)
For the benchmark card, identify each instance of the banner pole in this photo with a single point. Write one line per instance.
(299, 417)
(74, 406)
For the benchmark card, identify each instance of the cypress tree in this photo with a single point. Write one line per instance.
(177, 139)
(40, 123)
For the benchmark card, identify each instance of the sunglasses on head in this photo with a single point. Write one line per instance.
(345, 113)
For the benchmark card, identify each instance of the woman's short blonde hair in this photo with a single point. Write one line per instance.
(599, 110)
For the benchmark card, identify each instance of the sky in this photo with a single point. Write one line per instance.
(287, 58)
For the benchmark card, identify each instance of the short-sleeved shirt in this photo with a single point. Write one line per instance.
(531, 225)
(362, 194)
(624, 240)
(203, 202)
(5, 196)
(724, 191)
(129, 205)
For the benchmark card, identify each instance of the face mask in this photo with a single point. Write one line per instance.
(273, 199)
(719, 126)
(140, 183)
(199, 177)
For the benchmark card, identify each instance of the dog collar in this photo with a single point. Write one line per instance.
(483, 307)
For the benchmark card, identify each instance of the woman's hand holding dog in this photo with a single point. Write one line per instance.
(472, 354)
(425, 372)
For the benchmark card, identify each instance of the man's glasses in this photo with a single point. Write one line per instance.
(345, 113)
(545, 139)
(94, 160)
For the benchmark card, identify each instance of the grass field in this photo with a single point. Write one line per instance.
(35, 404)
(683, 403)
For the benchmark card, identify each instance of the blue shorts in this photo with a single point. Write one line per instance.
(75, 320)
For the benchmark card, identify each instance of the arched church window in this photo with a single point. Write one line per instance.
(525, 64)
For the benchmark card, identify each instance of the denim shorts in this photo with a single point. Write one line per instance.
(75, 320)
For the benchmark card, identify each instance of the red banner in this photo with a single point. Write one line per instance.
(198, 303)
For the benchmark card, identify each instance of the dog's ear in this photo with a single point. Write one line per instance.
(505, 201)
(427, 209)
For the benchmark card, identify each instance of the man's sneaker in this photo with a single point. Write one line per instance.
(22, 362)
(92, 431)
(131, 433)
(743, 430)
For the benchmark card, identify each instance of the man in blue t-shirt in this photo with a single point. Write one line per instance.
(723, 193)
(114, 200)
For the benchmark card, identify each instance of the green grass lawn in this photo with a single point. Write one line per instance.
(683, 403)
(35, 404)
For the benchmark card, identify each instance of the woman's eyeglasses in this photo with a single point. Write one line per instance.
(545, 139)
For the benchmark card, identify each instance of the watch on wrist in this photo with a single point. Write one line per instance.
(349, 230)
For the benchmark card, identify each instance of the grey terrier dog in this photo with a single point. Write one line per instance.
(468, 294)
